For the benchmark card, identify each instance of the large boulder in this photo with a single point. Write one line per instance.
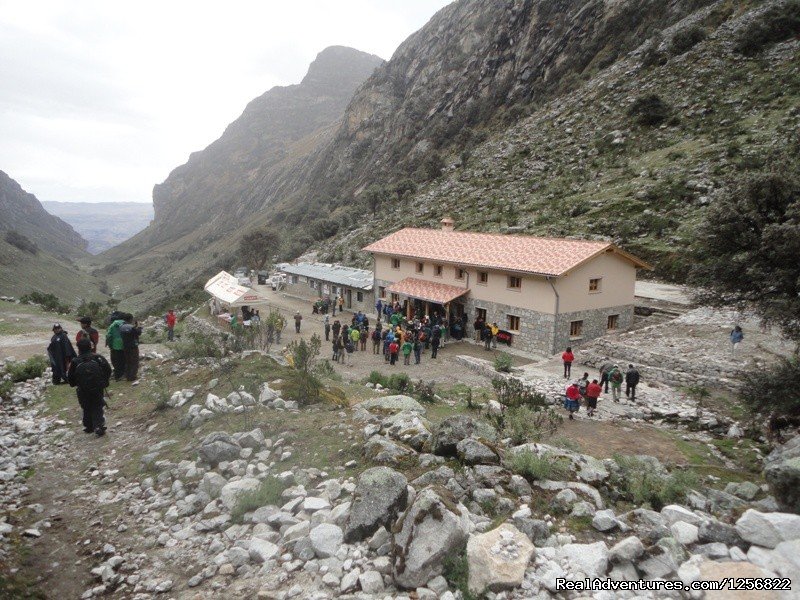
(217, 447)
(768, 529)
(212, 484)
(326, 539)
(784, 482)
(474, 452)
(382, 450)
(498, 559)
(722, 571)
(233, 491)
(408, 427)
(591, 560)
(433, 528)
(380, 495)
(393, 405)
(456, 428)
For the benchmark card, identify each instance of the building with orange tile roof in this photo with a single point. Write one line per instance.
(544, 293)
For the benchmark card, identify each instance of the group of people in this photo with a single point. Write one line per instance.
(89, 371)
(588, 392)
(393, 338)
(327, 304)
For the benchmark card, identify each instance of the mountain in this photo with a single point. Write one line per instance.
(558, 117)
(38, 250)
(103, 224)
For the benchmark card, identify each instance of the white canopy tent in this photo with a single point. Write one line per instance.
(226, 289)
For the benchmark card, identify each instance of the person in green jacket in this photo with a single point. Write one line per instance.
(407, 348)
(355, 336)
(395, 319)
(114, 342)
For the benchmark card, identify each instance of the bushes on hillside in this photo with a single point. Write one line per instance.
(30, 369)
(769, 392)
(686, 39)
(778, 23)
(20, 241)
(641, 482)
(649, 110)
(49, 302)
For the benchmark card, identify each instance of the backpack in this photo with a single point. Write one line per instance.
(616, 377)
(89, 377)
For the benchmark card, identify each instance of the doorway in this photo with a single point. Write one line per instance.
(349, 299)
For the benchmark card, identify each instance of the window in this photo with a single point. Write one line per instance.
(483, 277)
(312, 284)
(395, 298)
(575, 329)
(437, 270)
(420, 267)
(513, 322)
(460, 273)
(613, 322)
(360, 296)
(481, 314)
(395, 263)
(295, 278)
(514, 283)
(594, 284)
(381, 292)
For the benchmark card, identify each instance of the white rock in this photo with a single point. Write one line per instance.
(262, 550)
(628, 549)
(685, 533)
(230, 494)
(674, 513)
(371, 582)
(498, 559)
(768, 529)
(326, 539)
(589, 559)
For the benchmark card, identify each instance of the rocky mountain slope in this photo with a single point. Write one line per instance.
(551, 117)
(103, 224)
(38, 250)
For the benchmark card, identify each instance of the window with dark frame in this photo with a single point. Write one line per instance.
(513, 322)
(576, 329)
(460, 273)
(381, 292)
(514, 283)
(481, 314)
(483, 277)
(420, 267)
(360, 296)
(613, 322)
(594, 284)
(395, 263)
(437, 270)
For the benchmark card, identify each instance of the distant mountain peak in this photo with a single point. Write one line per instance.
(340, 65)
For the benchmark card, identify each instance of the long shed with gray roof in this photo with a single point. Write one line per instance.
(318, 280)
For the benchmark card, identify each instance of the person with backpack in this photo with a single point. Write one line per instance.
(87, 330)
(327, 328)
(394, 348)
(364, 331)
(337, 347)
(567, 357)
(349, 348)
(631, 381)
(487, 337)
(379, 308)
(417, 350)
(408, 347)
(297, 319)
(478, 325)
(130, 333)
(572, 398)
(61, 353)
(435, 341)
(90, 373)
(376, 340)
(114, 343)
(605, 369)
(355, 338)
(171, 319)
(615, 378)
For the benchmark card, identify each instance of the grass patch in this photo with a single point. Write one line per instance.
(532, 466)
(456, 572)
(268, 493)
(29, 369)
(579, 524)
(641, 483)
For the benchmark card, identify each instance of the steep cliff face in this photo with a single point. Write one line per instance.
(274, 131)
(22, 212)
(477, 63)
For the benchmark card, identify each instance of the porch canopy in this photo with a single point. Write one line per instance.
(439, 293)
(225, 288)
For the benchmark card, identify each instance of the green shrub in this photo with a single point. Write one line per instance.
(324, 368)
(535, 467)
(16, 239)
(640, 482)
(455, 569)
(30, 369)
(6, 387)
(157, 392)
(686, 39)
(503, 362)
(47, 301)
(302, 387)
(649, 110)
(778, 23)
(765, 391)
(375, 377)
(267, 494)
(425, 391)
(399, 382)
(198, 345)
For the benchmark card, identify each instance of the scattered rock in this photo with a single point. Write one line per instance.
(498, 559)
(380, 494)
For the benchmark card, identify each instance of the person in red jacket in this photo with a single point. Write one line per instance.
(394, 348)
(572, 398)
(88, 331)
(593, 391)
(567, 357)
(171, 319)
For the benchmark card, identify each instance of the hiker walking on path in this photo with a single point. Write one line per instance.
(171, 319)
(567, 357)
(605, 369)
(114, 343)
(631, 381)
(737, 335)
(90, 374)
(593, 391)
(327, 329)
(615, 378)
(297, 319)
(61, 353)
(280, 323)
(130, 347)
(88, 331)
(572, 398)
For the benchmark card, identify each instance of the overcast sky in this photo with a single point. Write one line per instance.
(101, 100)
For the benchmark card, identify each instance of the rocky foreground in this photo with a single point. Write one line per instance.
(446, 511)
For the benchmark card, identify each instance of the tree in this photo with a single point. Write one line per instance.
(374, 196)
(748, 248)
(257, 247)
